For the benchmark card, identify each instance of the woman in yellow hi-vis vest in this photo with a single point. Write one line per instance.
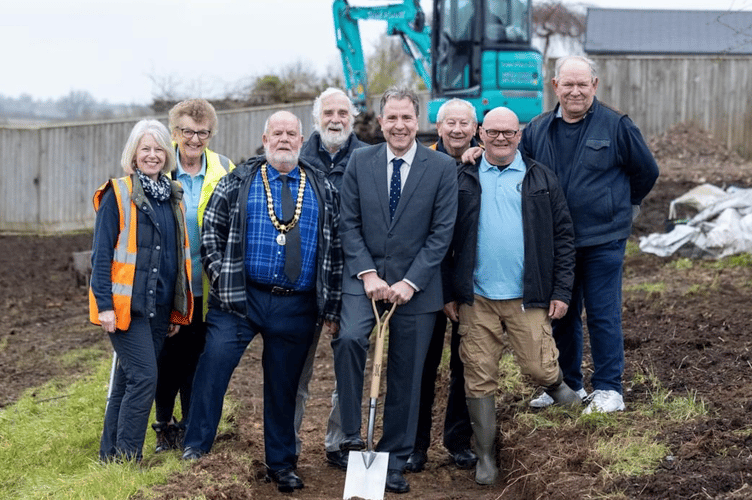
(193, 124)
(140, 287)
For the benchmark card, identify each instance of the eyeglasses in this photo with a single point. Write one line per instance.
(188, 133)
(508, 134)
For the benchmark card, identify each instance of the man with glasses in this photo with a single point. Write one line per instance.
(510, 268)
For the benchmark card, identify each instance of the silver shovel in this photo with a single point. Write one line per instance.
(366, 470)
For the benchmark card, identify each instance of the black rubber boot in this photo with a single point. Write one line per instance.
(483, 420)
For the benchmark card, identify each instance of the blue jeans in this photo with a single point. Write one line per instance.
(287, 326)
(134, 385)
(597, 286)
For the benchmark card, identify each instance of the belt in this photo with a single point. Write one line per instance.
(277, 290)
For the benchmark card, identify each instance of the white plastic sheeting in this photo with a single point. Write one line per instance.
(722, 226)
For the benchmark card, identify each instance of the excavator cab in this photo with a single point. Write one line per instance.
(481, 51)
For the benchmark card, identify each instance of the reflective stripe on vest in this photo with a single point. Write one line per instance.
(124, 255)
(124, 258)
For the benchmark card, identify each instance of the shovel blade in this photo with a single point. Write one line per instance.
(366, 481)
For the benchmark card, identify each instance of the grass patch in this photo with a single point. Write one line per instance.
(632, 248)
(510, 377)
(695, 289)
(552, 417)
(740, 260)
(678, 408)
(631, 455)
(652, 290)
(49, 442)
(681, 264)
(666, 406)
(88, 359)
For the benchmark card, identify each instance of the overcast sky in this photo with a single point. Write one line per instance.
(115, 49)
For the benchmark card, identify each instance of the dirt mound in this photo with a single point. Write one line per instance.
(688, 142)
(687, 153)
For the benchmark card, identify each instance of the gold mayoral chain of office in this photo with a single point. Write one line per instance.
(283, 228)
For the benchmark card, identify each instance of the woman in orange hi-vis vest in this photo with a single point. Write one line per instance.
(140, 287)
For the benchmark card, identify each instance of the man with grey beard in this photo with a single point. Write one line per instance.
(328, 149)
(271, 249)
(330, 146)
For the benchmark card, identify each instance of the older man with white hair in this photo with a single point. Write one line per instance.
(328, 149)
(333, 141)
(271, 249)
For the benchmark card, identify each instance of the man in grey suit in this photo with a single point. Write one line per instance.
(399, 203)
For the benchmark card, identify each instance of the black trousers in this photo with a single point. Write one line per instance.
(457, 429)
(177, 365)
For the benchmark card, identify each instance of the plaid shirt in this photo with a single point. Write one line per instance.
(223, 241)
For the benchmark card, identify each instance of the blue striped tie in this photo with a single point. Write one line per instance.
(395, 186)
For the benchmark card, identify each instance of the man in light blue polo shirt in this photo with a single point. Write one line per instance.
(511, 268)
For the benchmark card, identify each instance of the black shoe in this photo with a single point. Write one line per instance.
(287, 481)
(174, 435)
(192, 454)
(464, 459)
(163, 438)
(337, 459)
(395, 482)
(417, 461)
(356, 444)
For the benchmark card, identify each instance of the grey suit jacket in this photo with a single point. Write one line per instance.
(413, 245)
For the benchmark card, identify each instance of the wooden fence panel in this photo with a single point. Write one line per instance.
(19, 179)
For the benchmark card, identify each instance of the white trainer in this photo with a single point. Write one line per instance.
(545, 400)
(604, 402)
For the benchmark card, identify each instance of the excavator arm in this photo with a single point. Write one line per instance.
(405, 19)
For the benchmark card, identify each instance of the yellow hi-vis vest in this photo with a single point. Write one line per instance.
(124, 260)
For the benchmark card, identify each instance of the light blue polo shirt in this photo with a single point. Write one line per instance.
(191, 197)
(501, 249)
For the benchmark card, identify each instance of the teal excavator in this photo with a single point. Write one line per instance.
(477, 50)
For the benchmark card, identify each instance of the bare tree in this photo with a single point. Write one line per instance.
(553, 19)
(77, 104)
(389, 65)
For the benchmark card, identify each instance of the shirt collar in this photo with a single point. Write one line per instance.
(272, 173)
(181, 171)
(517, 163)
(407, 157)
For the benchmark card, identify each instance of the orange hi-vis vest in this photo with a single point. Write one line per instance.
(124, 261)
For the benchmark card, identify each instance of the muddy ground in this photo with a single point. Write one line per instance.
(691, 336)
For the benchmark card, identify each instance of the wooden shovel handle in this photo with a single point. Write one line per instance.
(378, 356)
